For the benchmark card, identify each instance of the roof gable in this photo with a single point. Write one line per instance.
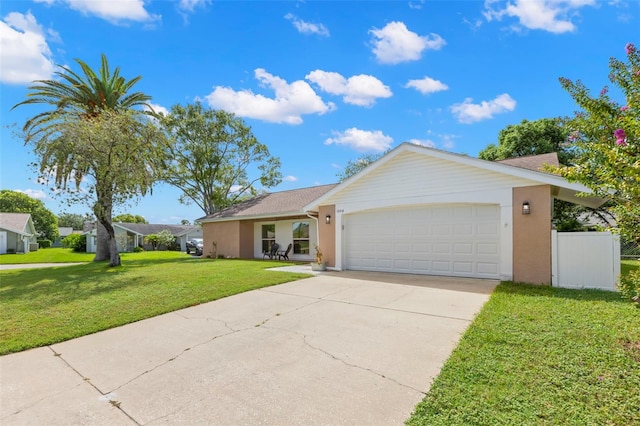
(20, 223)
(436, 167)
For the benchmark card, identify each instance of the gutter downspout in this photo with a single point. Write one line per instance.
(317, 228)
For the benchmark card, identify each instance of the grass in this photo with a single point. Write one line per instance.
(47, 255)
(542, 355)
(628, 266)
(43, 306)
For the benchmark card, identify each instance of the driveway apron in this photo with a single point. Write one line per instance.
(338, 348)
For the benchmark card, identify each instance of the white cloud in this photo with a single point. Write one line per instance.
(114, 11)
(361, 140)
(427, 85)
(548, 15)
(24, 53)
(38, 194)
(307, 27)
(290, 103)
(190, 5)
(362, 90)
(395, 43)
(416, 4)
(159, 109)
(423, 142)
(289, 178)
(468, 112)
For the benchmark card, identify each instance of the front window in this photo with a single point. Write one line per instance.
(301, 237)
(268, 237)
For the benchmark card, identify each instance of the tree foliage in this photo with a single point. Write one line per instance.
(163, 239)
(44, 220)
(538, 137)
(354, 167)
(529, 138)
(129, 218)
(77, 242)
(73, 220)
(605, 135)
(215, 158)
(94, 135)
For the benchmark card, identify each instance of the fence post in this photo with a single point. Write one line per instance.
(554, 258)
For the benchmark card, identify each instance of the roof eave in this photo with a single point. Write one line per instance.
(292, 213)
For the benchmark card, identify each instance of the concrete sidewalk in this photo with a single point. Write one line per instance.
(36, 265)
(337, 348)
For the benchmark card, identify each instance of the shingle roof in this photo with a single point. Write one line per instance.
(149, 228)
(65, 231)
(533, 162)
(275, 203)
(15, 222)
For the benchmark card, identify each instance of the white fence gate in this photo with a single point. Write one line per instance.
(585, 260)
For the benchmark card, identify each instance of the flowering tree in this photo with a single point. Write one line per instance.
(606, 140)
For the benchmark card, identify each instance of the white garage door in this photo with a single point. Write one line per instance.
(456, 240)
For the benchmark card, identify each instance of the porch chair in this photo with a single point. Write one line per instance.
(285, 254)
(271, 252)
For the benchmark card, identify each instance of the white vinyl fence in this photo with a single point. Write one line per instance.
(585, 260)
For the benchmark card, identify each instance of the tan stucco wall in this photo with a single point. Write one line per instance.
(225, 234)
(327, 234)
(532, 235)
(246, 239)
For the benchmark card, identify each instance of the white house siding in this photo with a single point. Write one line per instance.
(416, 180)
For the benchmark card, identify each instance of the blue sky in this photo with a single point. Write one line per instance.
(319, 82)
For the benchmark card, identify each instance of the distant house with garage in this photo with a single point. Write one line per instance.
(131, 235)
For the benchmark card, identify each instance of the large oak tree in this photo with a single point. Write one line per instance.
(215, 158)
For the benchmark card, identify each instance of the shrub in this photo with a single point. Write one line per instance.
(77, 242)
(629, 285)
(44, 243)
(138, 249)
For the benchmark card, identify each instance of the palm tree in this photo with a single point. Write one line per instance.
(79, 98)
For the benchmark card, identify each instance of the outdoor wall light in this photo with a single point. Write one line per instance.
(327, 219)
(526, 208)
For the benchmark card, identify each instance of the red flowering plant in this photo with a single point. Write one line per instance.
(605, 136)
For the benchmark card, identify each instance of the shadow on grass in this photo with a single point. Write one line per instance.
(65, 284)
(531, 290)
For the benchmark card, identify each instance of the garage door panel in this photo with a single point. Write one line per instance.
(463, 267)
(458, 240)
(487, 248)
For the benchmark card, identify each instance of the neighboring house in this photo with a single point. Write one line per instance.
(131, 235)
(17, 233)
(416, 210)
(63, 232)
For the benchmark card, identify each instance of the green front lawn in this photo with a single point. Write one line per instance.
(628, 266)
(44, 306)
(48, 255)
(542, 355)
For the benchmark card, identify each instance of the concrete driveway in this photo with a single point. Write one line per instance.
(338, 348)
